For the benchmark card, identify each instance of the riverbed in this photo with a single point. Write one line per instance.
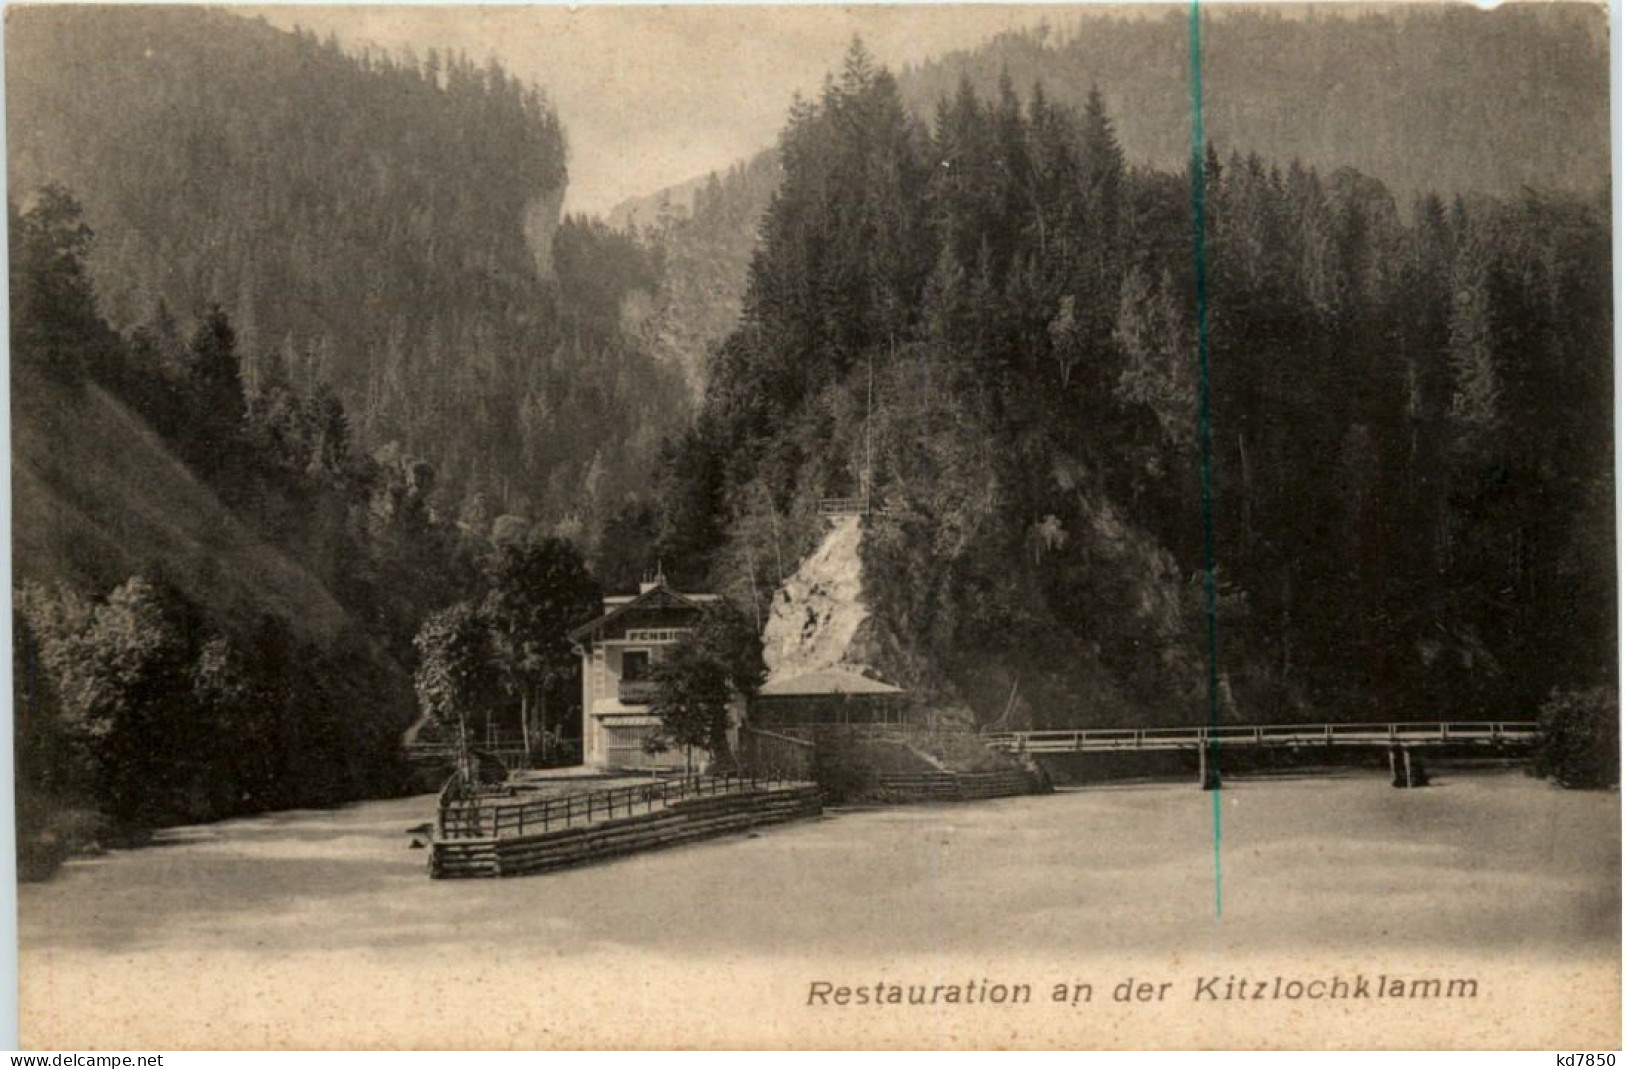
(321, 928)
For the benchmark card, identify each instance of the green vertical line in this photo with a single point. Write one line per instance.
(1204, 424)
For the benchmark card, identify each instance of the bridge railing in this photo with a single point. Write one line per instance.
(500, 742)
(851, 506)
(1492, 731)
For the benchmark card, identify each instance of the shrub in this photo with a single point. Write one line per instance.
(1580, 738)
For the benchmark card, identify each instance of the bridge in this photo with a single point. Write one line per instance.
(1401, 740)
(1489, 733)
(495, 753)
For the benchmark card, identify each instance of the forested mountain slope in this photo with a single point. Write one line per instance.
(212, 600)
(1525, 86)
(703, 243)
(1411, 490)
(383, 226)
(296, 335)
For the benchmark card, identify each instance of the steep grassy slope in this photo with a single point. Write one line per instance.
(98, 496)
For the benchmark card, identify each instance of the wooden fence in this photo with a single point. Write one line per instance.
(843, 506)
(772, 753)
(477, 818)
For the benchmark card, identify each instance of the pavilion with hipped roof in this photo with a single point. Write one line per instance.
(835, 695)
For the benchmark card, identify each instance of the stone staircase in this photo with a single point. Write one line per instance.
(947, 786)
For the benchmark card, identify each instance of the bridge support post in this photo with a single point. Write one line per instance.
(1418, 772)
(1405, 768)
(1207, 768)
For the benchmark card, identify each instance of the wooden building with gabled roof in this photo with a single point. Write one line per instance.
(619, 650)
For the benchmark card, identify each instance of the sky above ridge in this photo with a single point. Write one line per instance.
(652, 96)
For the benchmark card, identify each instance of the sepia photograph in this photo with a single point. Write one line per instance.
(900, 526)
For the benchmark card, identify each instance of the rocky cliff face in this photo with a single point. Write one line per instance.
(541, 222)
(821, 620)
(819, 610)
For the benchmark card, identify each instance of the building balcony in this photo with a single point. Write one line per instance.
(637, 692)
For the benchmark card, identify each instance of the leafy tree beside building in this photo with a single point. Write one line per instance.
(714, 666)
(537, 591)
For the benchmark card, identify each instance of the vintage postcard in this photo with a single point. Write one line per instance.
(801, 527)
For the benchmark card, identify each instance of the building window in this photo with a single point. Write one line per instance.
(634, 666)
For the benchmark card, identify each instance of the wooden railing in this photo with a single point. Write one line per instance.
(772, 753)
(882, 712)
(1095, 740)
(490, 742)
(506, 818)
(637, 691)
(850, 506)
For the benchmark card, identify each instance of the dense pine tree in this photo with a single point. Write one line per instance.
(383, 226)
(1410, 417)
